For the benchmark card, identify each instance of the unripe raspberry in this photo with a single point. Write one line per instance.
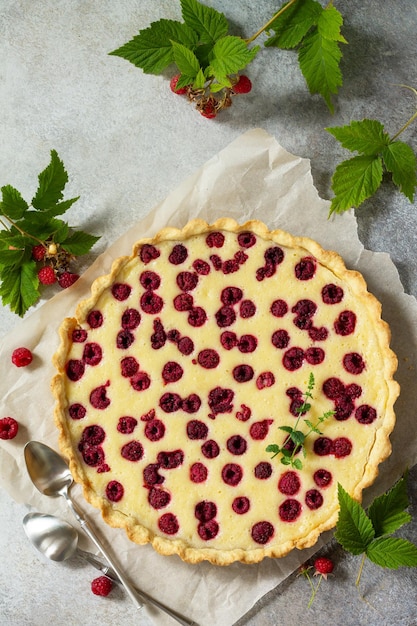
(52, 249)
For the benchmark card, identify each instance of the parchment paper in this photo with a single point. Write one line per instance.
(253, 177)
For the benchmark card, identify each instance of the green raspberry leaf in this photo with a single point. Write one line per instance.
(329, 24)
(79, 243)
(151, 50)
(61, 207)
(392, 552)
(19, 287)
(387, 512)
(293, 24)
(400, 160)
(51, 184)
(187, 64)
(354, 530)
(230, 55)
(206, 21)
(13, 205)
(367, 137)
(354, 181)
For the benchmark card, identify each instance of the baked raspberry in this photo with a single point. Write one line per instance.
(225, 316)
(121, 291)
(305, 268)
(77, 411)
(47, 275)
(332, 294)
(280, 339)
(178, 254)
(126, 424)
(243, 373)
(323, 566)
(201, 267)
(124, 339)
(172, 372)
(365, 414)
(215, 239)
(318, 334)
(314, 355)
(216, 261)
(191, 403)
(9, 428)
(21, 357)
(151, 303)
(75, 369)
(322, 478)
(345, 323)
(274, 256)
(183, 302)
(304, 308)
(187, 281)
(159, 336)
(67, 279)
(210, 449)
(93, 456)
(353, 390)
(205, 510)
(333, 388)
(243, 85)
(151, 475)
(220, 400)
(289, 510)
(38, 252)
(132, 451)
(231, 295)
(98, 397)
(198, 473)
(93, 435)
(95, 319)
(129, 366)
(259, 430)
(262, 532)
(168, 524)
(79, 335)
(236, 444)
(197, 430)
(313, 499)
(149, 416)
(344, 408)
(158, 498)
(244, 414)
(279, 308)
(197, 317)
(230, 266)
(247, 344)
(92, 354)
(293, 359)
(208, 358)
(341, 447)
(246, 239)
(173, 85)
(170, 402)
(150, 280)
(232, 474)
(185, 345)
(247, 309)
(140, 381)
(154, 430)
(114, 491)
(228, 339)
(148, 253)
(101, 586)
(263, 470)
(353, 363)
(322, 446)
(264, 380)
(289, 484)
(241, 505)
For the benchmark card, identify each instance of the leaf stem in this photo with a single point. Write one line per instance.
(269, 22)
(21, 231)
(358, 578)
(406, 125)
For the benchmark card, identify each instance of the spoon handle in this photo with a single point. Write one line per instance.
(131, 591)
(107, 571)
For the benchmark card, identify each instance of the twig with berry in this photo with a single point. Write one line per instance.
(36, 246)
(323, 566)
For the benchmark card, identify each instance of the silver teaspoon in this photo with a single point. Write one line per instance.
(58, 540)
(51, 476)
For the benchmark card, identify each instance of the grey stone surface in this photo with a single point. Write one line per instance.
(126, 142)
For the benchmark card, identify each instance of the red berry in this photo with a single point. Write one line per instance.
(8, 428)
(46, 275)
(173, 84)
(22, 357)
(67, 279)
(38, 252)
(101, 586)
(243, 85)
(209, 109)
(323, 566)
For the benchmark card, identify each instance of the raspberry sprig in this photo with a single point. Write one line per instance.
(36, 246)
(322, 567)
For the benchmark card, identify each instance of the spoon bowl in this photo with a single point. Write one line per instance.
(54, 538)
(47, 469)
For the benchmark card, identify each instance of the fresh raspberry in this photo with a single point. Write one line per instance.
(22, 357)
(67, 279)
(209, 109)
(173, 85)
(101, 586)
(38, 252)
(323, 566)
(8, 428)
(243, 85)
(46, 275)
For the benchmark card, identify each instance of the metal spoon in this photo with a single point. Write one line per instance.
(58, 540)
(51, 476)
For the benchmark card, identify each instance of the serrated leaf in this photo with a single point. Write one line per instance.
(298, 437)
(400, 160)
(272, 448)
(354, 530)
(12, 205)
(200, 80)
(206, 21)
(19, 287)
(61, 207)
(287, 429)
(319, 60)
(230, 55)
(151, 49)
(11, 257)
(367, 137)
(354, 181)
(293, 24)
(329, 24)
(186, 62)
(297, 464)
(51, 184)
(79, 243)
(387, 512)
(392, 552)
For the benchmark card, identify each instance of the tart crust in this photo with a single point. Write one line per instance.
(233, 533)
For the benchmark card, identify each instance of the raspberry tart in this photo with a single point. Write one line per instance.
(185, 363)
